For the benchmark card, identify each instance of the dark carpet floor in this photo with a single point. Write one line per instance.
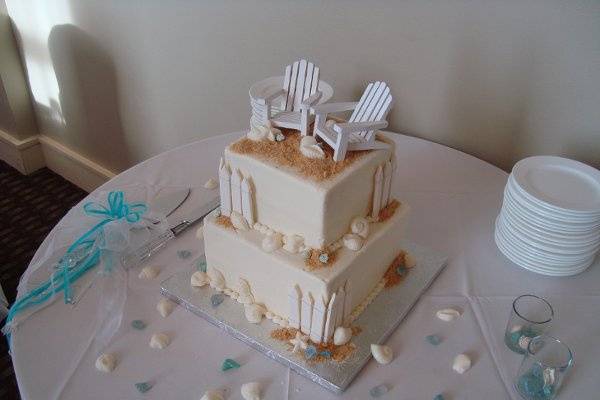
(30, 206)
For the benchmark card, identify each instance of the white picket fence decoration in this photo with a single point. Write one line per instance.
(306, 313)
(318, 321)
(236, 192)
(225, 188)
(295, 300)
(377, 191)
(387, 183)
(330, 318)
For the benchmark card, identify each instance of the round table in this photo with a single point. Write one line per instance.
(454, 200)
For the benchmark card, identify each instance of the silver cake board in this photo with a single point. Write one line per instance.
(378, 321)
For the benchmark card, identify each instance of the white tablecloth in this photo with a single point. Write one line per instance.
(454, 199)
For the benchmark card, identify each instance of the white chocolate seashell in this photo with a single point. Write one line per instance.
(409, 261)
(293, 243)
(159, 340)
(106, 362)
(199, 279)
(210, 184)
(149, 272)
(238, 221)
(272, 242)
(448, 314)
(310, 149)
(251, 391)
(212, 395)
(461, 363)
(360, 226)
(353, 241)
(244, 293)
(382, 354)
(216, 279)
(342, 335)
(253, 313)
(165, 307)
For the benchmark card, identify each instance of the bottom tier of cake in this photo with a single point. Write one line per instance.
(289, 290)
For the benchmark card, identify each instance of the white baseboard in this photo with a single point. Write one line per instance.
(24, 155)
(38, 151)
(72, 166)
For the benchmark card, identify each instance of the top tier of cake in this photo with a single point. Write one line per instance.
(315, 199)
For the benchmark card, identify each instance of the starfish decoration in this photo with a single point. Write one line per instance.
(299, 342)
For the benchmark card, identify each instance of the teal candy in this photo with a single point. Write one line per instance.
(201, 264)
(229, 364)
(217, 299)
(82, 255)
(184, 254)
(379, 390)
(138, 324)
(143, 387)
(310, 352)
(439, 397)
(433, 339)
(324, 257)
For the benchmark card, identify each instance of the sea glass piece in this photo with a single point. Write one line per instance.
(138, 324)
(379, 390)
(201, 264)
(217, 299)
(433, 339)
(184, 254)
(229, 364)
(143, 387)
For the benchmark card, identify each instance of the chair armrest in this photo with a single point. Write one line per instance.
(269, 97)
(333, 107)
(348, 127)
(309, 101)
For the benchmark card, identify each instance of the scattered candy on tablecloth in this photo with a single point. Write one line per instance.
(439, 397)
(251, 391)
(184, 254)
(212, 395)
(382, 354)
(461, 364)
(448, 314)
(165, 307)
(211, 184)
(433, 339)
(379, 390)
(159, 341)
(143, 387)
(229, 364)
(138, 324)
(106, 362)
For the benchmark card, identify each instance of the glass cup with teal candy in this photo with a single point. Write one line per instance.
(530, 317)
(544, 367)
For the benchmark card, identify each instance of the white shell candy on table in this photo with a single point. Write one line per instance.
(253, 313)
(212, 395)
(272, 242)
(149, 272)
(211, 184)
(448, 314)
(199, 279)
(165, 307)
(238, 221)
(360, 226)
(409, 261)
(159, 340)
(461, 363)
(106, 362)
(382, 354)
(251, 391)
(353, 241)
(342, 335)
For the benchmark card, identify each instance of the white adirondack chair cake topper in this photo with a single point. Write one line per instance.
(359, 132)
(299, 93)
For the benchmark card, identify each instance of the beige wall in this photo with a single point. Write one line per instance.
(120, 81)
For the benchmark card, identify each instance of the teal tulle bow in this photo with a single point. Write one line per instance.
(82, 255)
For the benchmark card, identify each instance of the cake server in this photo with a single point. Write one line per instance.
(153, 246)
(166, 204)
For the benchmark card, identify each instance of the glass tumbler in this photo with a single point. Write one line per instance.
(530, 317)
(544, 367)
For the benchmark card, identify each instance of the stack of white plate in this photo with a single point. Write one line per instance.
(550, 217)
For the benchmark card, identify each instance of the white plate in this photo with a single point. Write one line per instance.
(536, 266)
(527, 202)
(567, 249)
(559, 182)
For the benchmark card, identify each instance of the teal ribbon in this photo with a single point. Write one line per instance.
(82, 255)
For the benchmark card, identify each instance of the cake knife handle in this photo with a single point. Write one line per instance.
(141, 254)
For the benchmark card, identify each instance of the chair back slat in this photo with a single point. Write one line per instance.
(374, 105)
(301, 81)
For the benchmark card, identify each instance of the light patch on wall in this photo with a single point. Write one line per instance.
(41, 19)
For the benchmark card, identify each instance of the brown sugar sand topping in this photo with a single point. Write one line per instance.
(287, 154)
